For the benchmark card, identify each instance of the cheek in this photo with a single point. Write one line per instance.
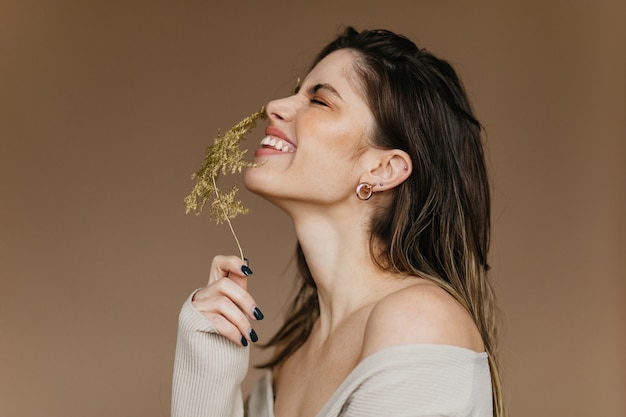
(344, 139)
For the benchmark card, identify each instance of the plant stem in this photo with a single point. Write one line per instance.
(217, 195)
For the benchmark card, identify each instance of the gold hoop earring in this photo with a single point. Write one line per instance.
(364, 191)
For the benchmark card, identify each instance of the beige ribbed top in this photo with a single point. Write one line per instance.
(402, 381)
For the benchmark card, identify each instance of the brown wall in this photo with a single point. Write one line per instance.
(106, 109)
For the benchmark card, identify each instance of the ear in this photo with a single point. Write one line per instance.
(388, 168)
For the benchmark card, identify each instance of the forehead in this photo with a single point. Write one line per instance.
(337, 69)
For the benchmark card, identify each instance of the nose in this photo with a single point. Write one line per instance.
(281, 109)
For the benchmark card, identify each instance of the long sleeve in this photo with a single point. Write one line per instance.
(208, 369)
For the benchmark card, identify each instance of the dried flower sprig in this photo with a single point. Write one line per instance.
(224, 156)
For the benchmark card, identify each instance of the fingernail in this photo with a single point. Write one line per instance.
(246, 271)
(253, 336)
(257, 313)
(244, 341)
(247, 261)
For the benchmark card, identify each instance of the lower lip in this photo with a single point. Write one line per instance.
(269, 151)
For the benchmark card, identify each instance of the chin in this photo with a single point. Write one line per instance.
(249, 180)
(264, 186)
(256, 182)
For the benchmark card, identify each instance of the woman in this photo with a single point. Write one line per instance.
(377, 159)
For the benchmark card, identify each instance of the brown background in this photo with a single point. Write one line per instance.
(105, 110)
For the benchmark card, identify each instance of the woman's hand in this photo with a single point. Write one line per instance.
(225, 300)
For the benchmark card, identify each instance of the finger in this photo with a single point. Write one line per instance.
(231, 267)
(228, 319)
(226, 287)
(228, 329)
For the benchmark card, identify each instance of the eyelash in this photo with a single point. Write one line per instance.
(315, 100)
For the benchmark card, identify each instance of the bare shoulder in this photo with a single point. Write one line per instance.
(420, 313)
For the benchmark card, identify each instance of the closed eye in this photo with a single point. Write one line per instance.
(315, 97)
(316, 100)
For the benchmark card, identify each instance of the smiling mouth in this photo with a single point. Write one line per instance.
(270, 142)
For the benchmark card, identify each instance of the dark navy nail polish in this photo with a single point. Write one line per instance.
(244, 341)
(257, 313)
(246, 271)
(253, 336)
(247, 261)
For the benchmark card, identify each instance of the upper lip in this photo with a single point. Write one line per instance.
(276, 132)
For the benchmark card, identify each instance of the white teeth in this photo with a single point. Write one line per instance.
(277, 144)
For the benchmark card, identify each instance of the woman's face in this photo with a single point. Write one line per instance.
(315, 138)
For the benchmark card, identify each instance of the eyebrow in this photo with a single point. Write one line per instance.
(323, 86)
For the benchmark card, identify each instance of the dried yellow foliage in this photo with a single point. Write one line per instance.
(224, 157)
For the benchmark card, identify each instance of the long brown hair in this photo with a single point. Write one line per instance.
(438, 223)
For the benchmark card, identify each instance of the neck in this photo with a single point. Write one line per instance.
(338, 256)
